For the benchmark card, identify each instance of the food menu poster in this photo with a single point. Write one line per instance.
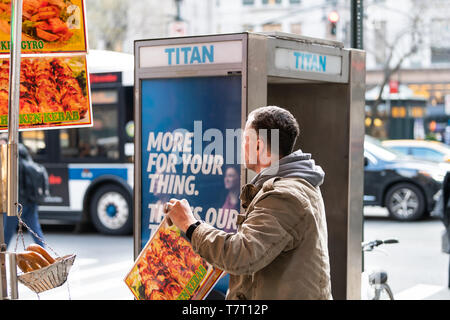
(169, 269)
(48, 26)
(54, 93)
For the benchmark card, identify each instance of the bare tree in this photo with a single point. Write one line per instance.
(395, 50)
(107, 22)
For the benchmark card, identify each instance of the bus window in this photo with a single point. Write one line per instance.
(35, 142)
(101, 141)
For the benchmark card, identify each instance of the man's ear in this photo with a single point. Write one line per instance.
(264, 155)
(260, 145)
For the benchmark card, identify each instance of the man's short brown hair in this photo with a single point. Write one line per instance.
(273, 117)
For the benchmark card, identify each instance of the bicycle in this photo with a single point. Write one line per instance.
(377, 279)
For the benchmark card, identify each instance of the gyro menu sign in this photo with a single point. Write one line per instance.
(54, 92)
(48, 26)
(220, 52)
(54, 82)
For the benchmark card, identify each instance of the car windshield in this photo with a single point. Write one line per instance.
(375, 147)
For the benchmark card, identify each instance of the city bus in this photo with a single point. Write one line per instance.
(91, 169)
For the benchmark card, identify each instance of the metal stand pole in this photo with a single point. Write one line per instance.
(13, 276)
(357, 17)
(3, 283)
(13, 107)
(13, 137)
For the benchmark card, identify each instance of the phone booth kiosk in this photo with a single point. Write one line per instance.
(193, 95)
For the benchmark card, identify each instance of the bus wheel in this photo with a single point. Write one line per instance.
(111, 211)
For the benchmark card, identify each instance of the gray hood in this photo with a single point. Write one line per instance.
(295, 165)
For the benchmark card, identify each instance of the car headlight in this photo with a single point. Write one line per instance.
(435, 175)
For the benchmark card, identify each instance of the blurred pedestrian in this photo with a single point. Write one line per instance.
(442, 211)
(26, 198)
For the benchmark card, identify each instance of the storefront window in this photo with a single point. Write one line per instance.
(296, 28)
(270, 27)
(398, 112)
(271, 1)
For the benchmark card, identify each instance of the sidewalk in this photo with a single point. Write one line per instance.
(444, 294)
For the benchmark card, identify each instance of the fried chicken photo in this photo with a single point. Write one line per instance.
(46, 85)
(167, 265)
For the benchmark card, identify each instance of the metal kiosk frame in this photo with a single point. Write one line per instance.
(322, 84)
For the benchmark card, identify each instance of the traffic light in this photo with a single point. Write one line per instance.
(333, 18)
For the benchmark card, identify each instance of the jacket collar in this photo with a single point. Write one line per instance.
(248, 192)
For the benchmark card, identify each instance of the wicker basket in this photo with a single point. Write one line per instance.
(48, 277)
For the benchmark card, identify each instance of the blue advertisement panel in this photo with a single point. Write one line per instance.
(190, 149)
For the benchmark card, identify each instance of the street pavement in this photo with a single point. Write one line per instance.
(417, 268)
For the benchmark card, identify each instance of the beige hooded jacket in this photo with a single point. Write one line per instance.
(280, 250)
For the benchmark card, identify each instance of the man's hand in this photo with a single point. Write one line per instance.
(179, 212)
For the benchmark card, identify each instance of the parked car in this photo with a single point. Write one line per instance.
(406, 186)
(421, 149)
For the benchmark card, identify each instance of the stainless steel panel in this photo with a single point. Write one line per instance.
(302, 38)
(322, 111)
(330, 111)
(356, 173)
(3, 281)
(137, 168)
(256, 80)
(332, 129)
(190, 70)
(13, 276)
(189, 40)
(176, 72)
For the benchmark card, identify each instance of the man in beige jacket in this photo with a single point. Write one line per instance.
(280, 250)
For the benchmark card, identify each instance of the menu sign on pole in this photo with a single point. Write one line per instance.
(54, 81)
(48, 26)
(54, 92)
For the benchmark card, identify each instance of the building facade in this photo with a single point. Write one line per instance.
(408, 40)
